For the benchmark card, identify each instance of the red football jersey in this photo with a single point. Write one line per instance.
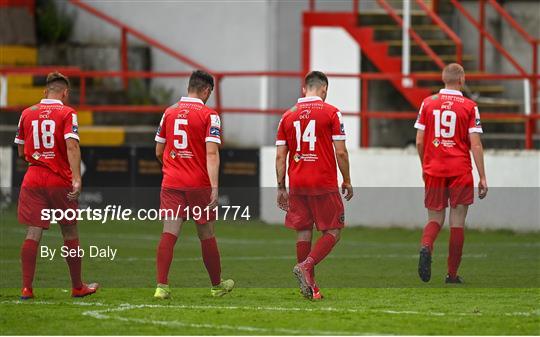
(43, 130)
(447, 119)
(184, 129)
(309, 129)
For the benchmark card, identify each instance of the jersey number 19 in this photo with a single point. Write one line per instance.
(445, 123)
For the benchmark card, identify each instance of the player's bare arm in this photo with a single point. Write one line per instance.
(20, 151)
(478, 155)
(74, 158)
(420, 146)
(160, 149)
(342, 156)
(281, 169)
(212, 165)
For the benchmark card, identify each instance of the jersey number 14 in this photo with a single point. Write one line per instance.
(308, 136)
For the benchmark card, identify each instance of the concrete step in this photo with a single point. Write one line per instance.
(394, 32)
(382, 18)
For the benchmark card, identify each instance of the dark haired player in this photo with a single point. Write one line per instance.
(448, 129)
(47, 138)
(187, 144)
(312, 134)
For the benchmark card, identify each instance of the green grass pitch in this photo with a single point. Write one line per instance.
(369, 282)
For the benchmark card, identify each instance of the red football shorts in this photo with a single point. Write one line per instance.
(325, 210)
(188, 204)
(43, 189)
(460, 191)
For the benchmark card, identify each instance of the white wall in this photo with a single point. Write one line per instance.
(389, 190)
(333, 50)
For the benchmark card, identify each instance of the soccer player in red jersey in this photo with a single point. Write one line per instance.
(47, 138)
(187, 144)
(448, 128)
(312, 134)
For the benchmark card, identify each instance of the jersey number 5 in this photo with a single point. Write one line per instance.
(308, 136)
(183, 142)
(445, 123)
(47, 133)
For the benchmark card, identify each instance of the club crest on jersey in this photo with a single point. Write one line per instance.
(436, 142)
(214, 131)
(173, 154)
(305, 114)
(447, 105)
(36, 155)
(297, 157)
(183, 114)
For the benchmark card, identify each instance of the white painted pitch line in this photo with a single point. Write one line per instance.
(105, 314)
(270, 308)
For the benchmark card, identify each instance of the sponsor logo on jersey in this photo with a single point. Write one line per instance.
(436, 142)
(297, 157)
(18, 132)
(434, 97)
(214, 131)
(34, 107)
(215, 121)
(36, 155)
(305, 114)
(183, 114)
(342, 127)
(158, 130)
(75, 129)
(45, 114)
(447, 105)
(477, 122)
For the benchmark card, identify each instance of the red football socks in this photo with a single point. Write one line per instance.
(430, 234)
(74, 264)
(28, 261)
(455, 248)
(165, 253)
(322, 248)
(302, 250)
(211, 259)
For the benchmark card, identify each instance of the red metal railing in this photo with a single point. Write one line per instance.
(365, 114)
(126, 30)
(444, 27)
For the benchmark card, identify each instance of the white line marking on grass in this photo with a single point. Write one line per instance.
(104, 314)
